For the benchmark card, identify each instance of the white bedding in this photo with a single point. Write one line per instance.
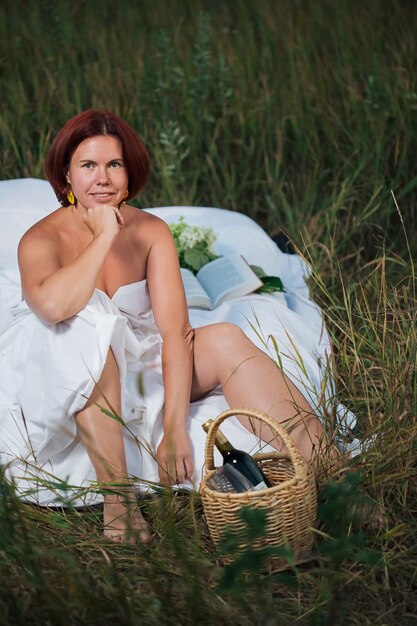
(294, 321)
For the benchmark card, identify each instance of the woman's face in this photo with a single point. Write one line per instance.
(97, 173)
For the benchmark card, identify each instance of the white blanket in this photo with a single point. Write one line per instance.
(291, 318)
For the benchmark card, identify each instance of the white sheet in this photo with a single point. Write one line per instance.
(291, 318)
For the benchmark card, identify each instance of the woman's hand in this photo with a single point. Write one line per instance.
(175, 458)
(103, 218)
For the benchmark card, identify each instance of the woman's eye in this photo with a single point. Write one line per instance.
(87, 166)
(115, 164)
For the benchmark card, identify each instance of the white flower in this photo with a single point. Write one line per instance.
(193, 235)
(195, 244)
(189, 237)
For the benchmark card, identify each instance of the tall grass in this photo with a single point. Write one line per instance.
(303, 115)
(284, 110)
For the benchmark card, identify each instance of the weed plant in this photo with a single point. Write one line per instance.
(303, 115)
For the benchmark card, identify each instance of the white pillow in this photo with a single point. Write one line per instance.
(239, 233)
(23, 202)
(235, 233)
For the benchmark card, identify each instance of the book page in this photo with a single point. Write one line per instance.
(228, 277)
(194, 292)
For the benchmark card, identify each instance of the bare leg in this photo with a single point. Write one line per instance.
(102, 437)
(249, 378)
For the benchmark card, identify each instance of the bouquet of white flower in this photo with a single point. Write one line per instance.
(195, 249)
(194, 245)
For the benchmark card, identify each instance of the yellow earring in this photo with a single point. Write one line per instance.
(71, 197)
(125, 197)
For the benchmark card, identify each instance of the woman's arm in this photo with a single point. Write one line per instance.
(55, 292)
(171, 316)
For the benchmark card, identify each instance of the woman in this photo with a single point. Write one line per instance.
(77, 266)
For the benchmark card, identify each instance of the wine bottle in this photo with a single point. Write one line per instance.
(241, 460)
(228, 479)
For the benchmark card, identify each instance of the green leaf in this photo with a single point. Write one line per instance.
(271, 284)
(258, 271)
(196, 258)
(111, 414)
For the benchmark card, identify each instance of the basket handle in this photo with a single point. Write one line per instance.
(297, 460)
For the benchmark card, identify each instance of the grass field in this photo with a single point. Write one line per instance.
(303, 115)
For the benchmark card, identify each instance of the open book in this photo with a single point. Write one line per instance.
(224, 278)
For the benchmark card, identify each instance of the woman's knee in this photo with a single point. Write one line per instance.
(218, 347)
(228, 336)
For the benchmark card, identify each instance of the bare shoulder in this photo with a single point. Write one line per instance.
(41, 241)
(43, 233)
(146, 226)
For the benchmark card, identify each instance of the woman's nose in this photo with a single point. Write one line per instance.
(102, 176)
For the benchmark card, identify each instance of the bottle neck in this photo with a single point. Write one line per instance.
(222, 443)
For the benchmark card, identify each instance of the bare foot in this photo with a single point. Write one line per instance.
(123, 520)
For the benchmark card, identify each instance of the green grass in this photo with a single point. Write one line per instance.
(303, 115)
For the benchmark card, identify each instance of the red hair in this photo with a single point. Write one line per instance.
(91, 123)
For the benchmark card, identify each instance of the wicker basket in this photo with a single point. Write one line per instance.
(290, 504)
